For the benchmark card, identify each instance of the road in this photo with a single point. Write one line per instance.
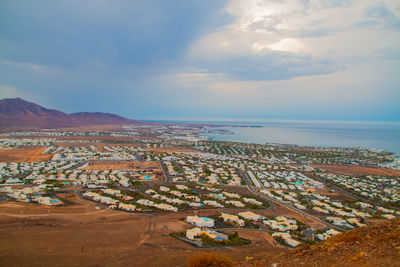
(344, 192)
(290, 207)
(77, 165)
(165, 172)
(262, 229)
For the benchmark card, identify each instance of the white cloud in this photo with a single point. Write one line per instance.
(320, 29)
(257, 57)
(288, 45)
(8, 91)
(194, 78)
(27, 66)
(279, 58)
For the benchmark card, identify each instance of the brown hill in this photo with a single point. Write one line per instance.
(100, 118)
(18, 113)
(377, 245)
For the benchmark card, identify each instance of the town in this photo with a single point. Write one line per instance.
(283, 191)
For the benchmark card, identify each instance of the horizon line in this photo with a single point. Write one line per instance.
(186, 119)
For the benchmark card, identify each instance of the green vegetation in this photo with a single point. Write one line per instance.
(233, 239)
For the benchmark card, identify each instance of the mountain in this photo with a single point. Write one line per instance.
(100, 118)
(376, 245)
(18, 113)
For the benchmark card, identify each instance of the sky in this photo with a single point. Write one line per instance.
(199, 60)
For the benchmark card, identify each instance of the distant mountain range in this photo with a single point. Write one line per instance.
(18, 113)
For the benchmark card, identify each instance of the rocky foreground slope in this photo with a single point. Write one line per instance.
(377, 245)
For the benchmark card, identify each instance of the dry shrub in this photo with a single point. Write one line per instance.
(351, 236)
(211, 259)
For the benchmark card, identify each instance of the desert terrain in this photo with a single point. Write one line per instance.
(82, 235)
(356, 170)
(24, 154)
(376, 245)
(124, 165)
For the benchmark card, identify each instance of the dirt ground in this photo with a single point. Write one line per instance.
(377, 245)
(25, 154)
(80, 235)
(350, 170)
(124, 165)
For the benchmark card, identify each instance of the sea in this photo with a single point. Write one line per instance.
(374, 135)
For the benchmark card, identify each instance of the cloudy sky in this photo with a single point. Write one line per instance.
(195, 59)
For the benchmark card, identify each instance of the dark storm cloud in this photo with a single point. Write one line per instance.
(74, 53)
(119, 33)
(151, 57)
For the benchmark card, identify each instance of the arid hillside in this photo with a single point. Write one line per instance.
(17, 113)
(377, 245)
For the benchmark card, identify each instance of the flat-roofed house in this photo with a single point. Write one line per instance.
(200, 221)
(232, 218)
(192, 233)
(248, 215)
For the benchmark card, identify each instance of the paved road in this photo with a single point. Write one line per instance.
(309, 234)
(344, 192)
(264, 229)
(77, 165)
(329, 183)
(271, 204)
(305, 214)
(262, 226)
(166, 174)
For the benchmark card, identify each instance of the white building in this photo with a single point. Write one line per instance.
(200, 221)
(248, 215)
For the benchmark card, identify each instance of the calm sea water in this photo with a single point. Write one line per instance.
(384, 136)
(379, 135)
